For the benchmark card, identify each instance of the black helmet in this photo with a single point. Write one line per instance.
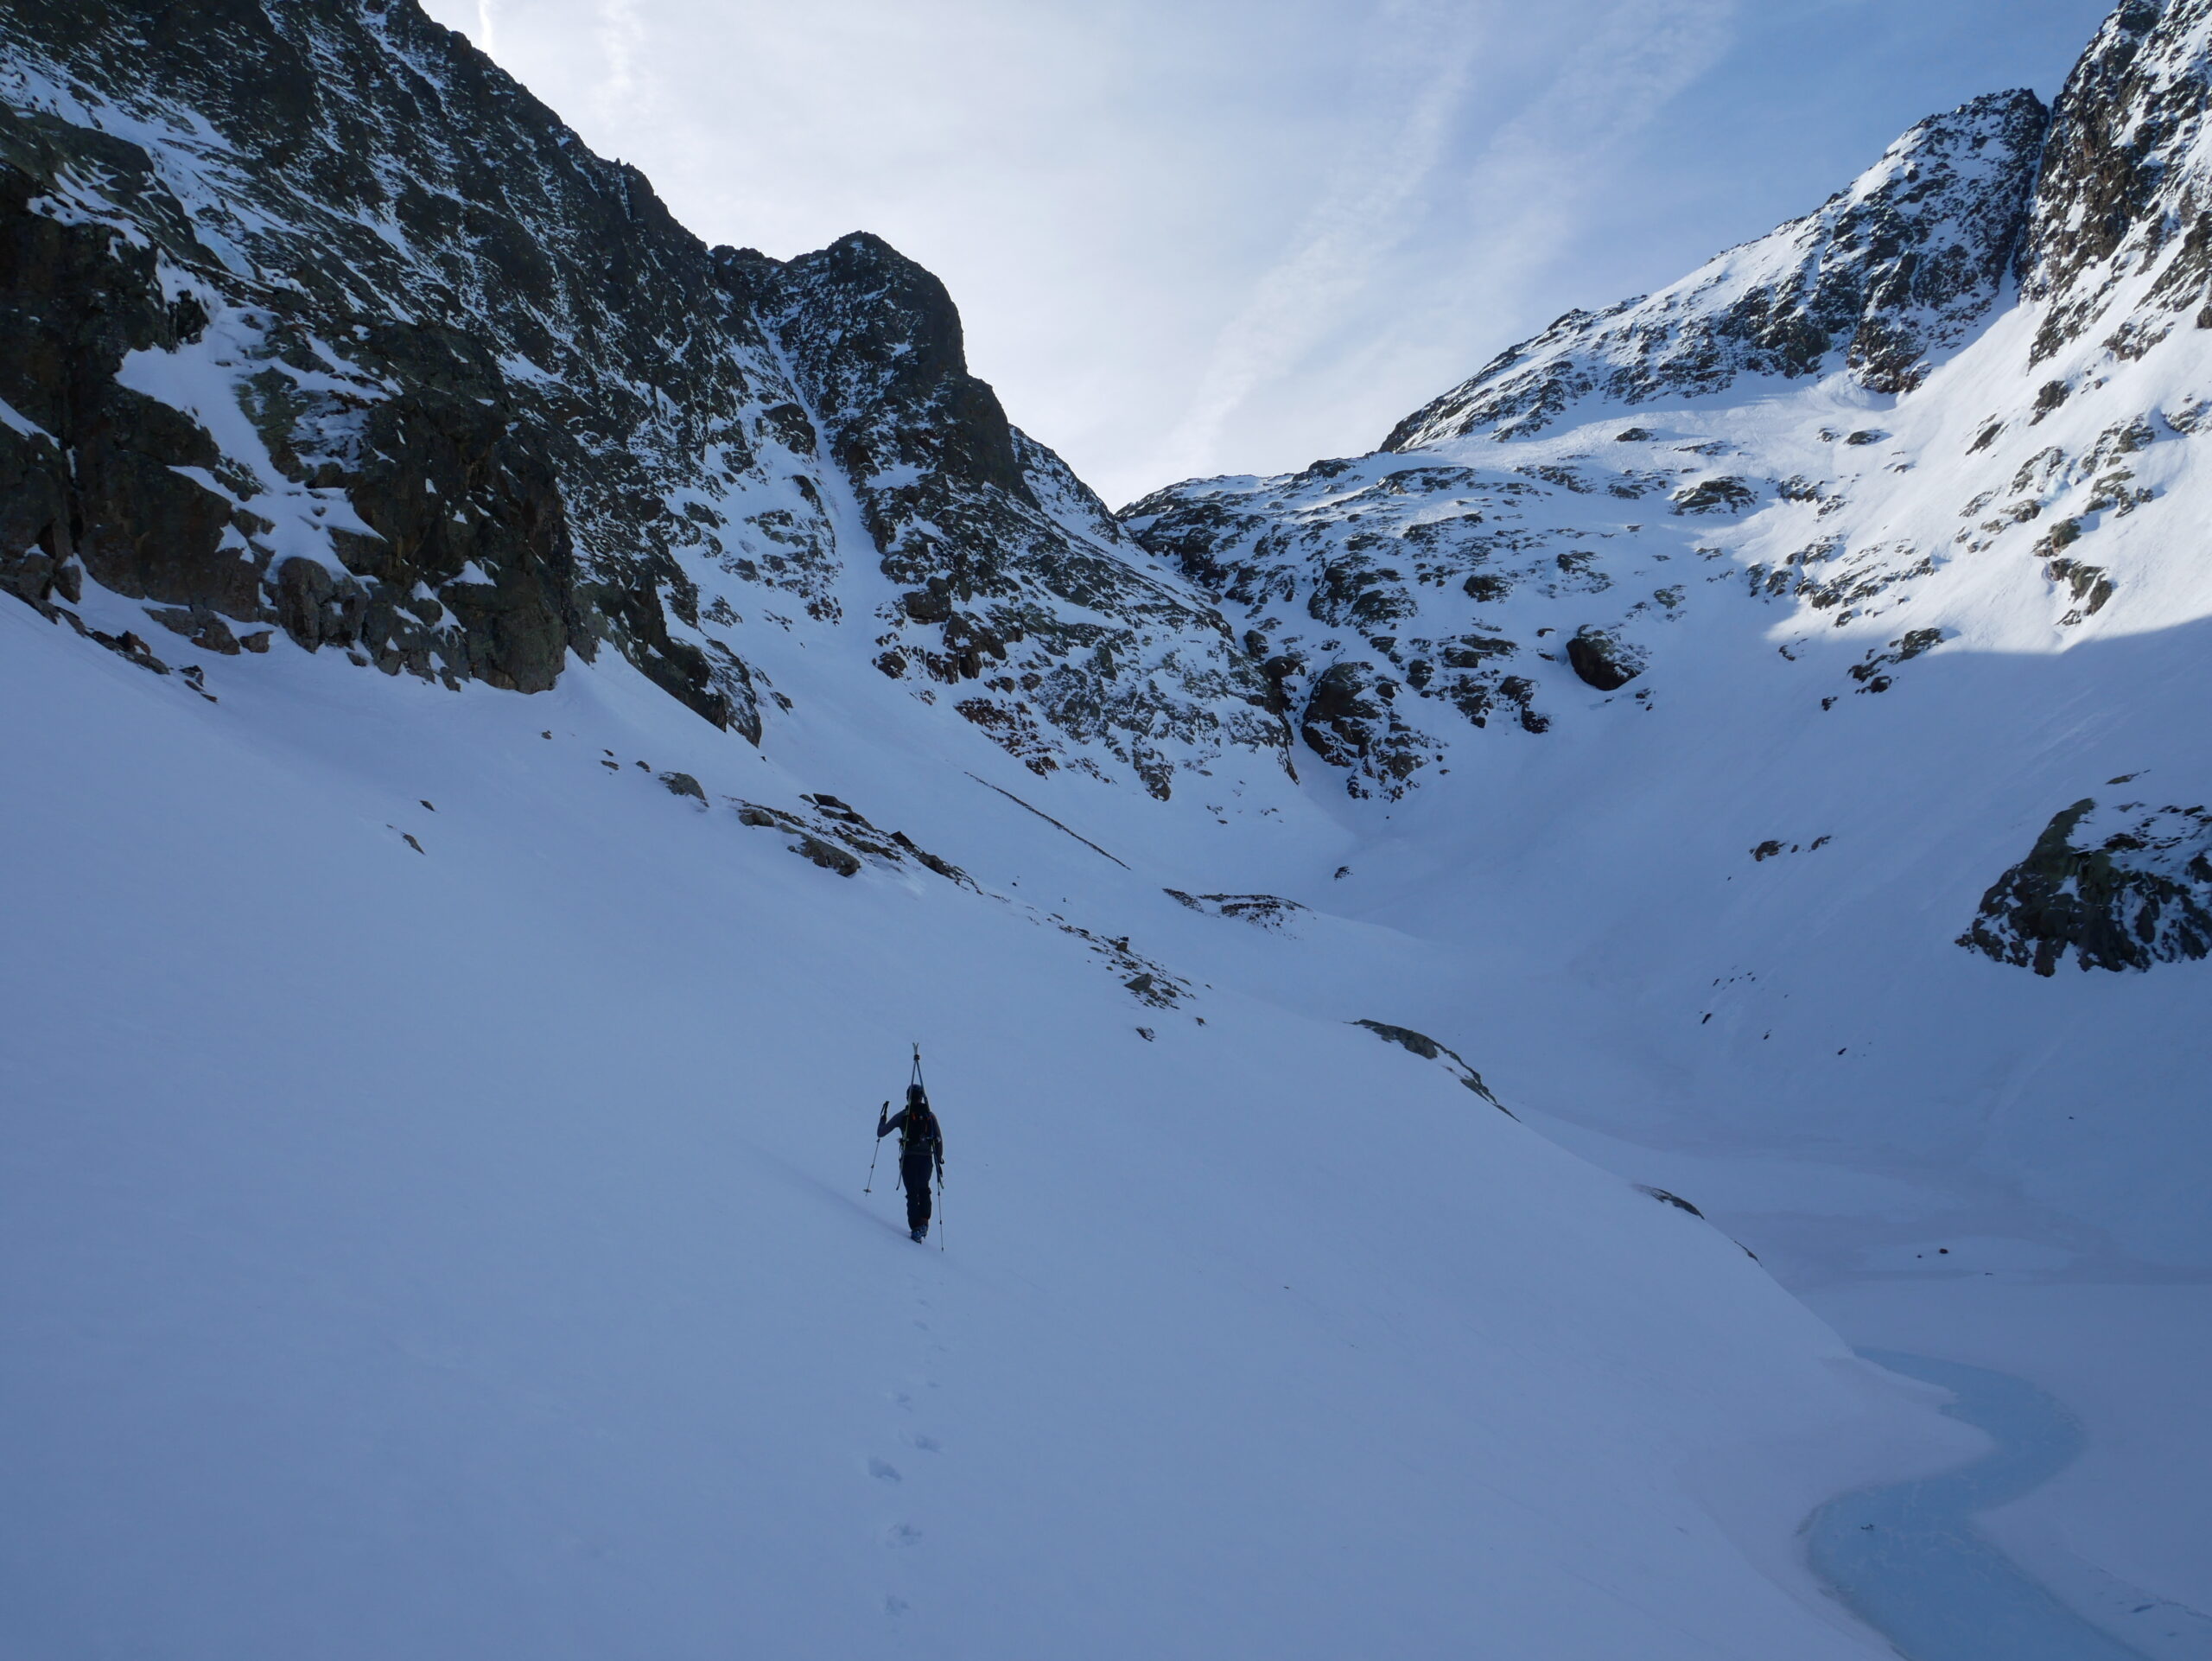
(915, 1097)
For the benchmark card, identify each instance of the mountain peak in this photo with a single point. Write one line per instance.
(2124, 175)
(1898, 267)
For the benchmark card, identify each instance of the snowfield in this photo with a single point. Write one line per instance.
(462, 1251)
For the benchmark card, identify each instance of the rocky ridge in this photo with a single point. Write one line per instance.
(2121, 230)
(1441, 578)
(1901, 265)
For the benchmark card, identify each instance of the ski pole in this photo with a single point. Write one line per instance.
(869, 1188)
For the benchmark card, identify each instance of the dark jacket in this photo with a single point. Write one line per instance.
(920, 1140)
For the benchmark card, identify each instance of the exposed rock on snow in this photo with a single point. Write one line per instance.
(1872, 673)
(1437, 582)
(1348, 721)
(2120, 887)
(1429, 1050)
(1260, 910)
(1667, 1198)
(1605, 661)
(1787, 393)
(405, 371)
(2126, 177)
(839, 838)
(1016, 587)
(1714, 496)
(1378, 560)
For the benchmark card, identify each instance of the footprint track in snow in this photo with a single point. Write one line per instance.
(905, 1401)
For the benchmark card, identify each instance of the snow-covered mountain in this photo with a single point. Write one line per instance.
(369, 348)
(1902, 266)
(1948, 415)
(443, 1095)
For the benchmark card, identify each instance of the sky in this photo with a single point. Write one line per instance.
(1196, 237)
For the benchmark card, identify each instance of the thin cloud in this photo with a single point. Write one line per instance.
(1524, 187)
(1365, 213)
(620, 31)
(1535, 172)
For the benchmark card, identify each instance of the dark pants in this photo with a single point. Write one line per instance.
(914, 1175)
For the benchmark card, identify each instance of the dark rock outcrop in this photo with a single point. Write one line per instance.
(1348, 721)
(401, 229)
(831, 834)
(1722, 495)
(1016, 586)
(93, 485)
(1602, 659)
(1346, 548)
(1429, 1050)
(1260, 910)
(1666, 1197)
(2120, 887)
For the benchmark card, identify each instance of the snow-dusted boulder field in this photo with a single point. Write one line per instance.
(519, 718)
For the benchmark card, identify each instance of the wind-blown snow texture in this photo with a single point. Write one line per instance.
(433, 1224)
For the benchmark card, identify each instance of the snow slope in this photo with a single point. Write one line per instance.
(462, 1251)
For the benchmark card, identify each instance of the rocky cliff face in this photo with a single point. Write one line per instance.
(1015, 585)
(2122, 227)
(410, 345)
(365, 348)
